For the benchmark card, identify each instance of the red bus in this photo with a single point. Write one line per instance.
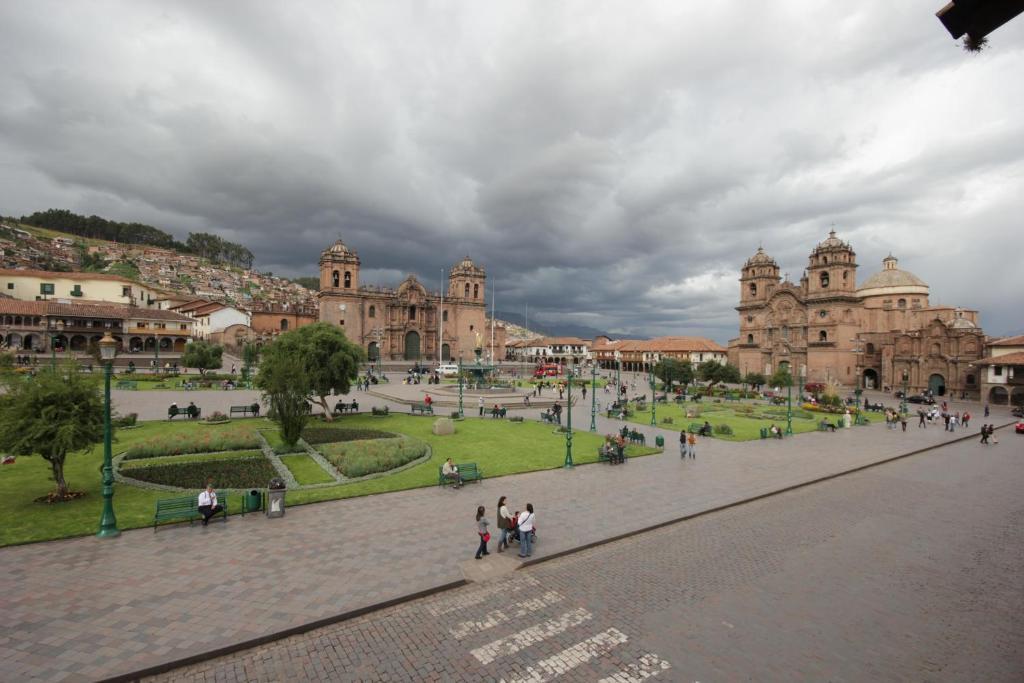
(548, 370)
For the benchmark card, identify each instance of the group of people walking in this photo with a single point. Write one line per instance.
(987, 433)
(687, 445)
(518, 526)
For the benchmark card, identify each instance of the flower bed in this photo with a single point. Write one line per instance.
(236, 473)
(359, 458)
(207, 441)
(317, 435)
(305, 469)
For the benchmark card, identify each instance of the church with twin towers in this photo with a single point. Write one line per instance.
(404, 323)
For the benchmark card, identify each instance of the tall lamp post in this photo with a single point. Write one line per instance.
(59, 326)
(461, 414)
(903, 401)
(568, 432)
(156, 354)
(654, 397)
(789, 404)
(593, 397)
(618, 374)
(108, 523)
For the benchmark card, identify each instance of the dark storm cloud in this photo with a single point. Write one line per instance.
(612, 166)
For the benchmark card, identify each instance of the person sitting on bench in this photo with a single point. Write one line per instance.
(192, 410)
(705, 430)
(208, 503)
(451, 472)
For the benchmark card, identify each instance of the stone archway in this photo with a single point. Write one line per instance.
(1017, 396)
(998, 396)
(870, 378)
(179, 345)
(372, 351)
(31, 341)
(412, 345)
(937, 384)
(446, 352)
(78, 343)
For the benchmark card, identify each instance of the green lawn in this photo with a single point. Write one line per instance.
(744, 428)
(305, 469)
(498, 446)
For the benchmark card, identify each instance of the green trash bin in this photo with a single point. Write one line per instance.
(252, 501)
(659, 441)
(764, 432)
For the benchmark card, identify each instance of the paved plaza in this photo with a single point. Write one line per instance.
(81, 609)
(910, 571)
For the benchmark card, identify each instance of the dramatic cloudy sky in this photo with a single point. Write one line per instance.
(610, 163)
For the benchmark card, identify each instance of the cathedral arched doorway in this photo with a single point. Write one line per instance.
(372, 351)
(870, 379)
(446, 352)
(937, 384)
(997, 396)
(412, 345)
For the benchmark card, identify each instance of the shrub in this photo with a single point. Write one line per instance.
(128, 420)
(237, 473)
(666, 420)
(317, 435)
(455, 415)
(723, 429)
(207, 441)
(745, 409)
(359, 458)
(516, 418)
(216, 416)
(380, 411)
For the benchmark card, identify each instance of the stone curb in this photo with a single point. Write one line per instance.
(346, 616)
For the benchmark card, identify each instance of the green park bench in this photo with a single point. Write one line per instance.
(467, 470)
(186, 507)
(131, 385)
(547, 416)
(826, 426)
(342, 407)
(605, 454)
(694, 427)
(253, 409)
(732, 397)
(500, 412)
(421, 408)
(637, 437)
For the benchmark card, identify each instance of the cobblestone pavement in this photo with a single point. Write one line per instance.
(910, 571)
(81, 609)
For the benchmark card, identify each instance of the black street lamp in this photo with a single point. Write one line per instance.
(108, 522)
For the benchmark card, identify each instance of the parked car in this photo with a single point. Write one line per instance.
(448, 370)
(921, 399)
(899, 394)
(1020, 427)
(1017, 412)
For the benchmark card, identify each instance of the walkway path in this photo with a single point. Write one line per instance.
(82, 609)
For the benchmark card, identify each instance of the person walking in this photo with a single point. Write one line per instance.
(984, 434)
(504, 524)
(683, 450)
(986, 411)
(480, 405)
(966, 419)
(526, 526)
(903, 421)
(481, 530)
(691, 441)
(584, 392)
(920, 419)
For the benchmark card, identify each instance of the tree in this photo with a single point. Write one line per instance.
(755, 379)
(781, 378)
(202, 355)
(329, 360)
(286, 388)
(713, 372)
(53, 414)
(671, 370)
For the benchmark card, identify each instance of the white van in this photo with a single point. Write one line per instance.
(448, 370)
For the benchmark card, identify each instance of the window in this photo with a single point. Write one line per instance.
(183, 326)
(970, 379)
(823, 336)
(444, 316)
(348, 280)
(997, 370)
(335, 279)
(373, 312)
(46, 288)
(476, 291)
(936, 350)
(412, 313)
(846, 274)
(822, 313)
(824, 259)
(467, 290)
(750, 339)
(785, 332)
(750, 318)
(126, 291)
(753, 289)
(284, 324)
(342, 323)
(824, 280)
(10, 285)
(902, 303)
(76, 290)
(870, 348)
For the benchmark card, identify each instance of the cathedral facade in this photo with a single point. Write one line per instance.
(404, 323)
(882, 334)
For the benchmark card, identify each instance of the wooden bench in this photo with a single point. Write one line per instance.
(611, 456)
(421, 408)
(127, 384)
(340, 407)
(186, 507)
(253, 409)
(500, 412)
(468, 471)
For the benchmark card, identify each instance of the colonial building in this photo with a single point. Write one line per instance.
(882, 334)
(405, 323)
(1002, 372)
(43, 285)
(639, 355)
(561, 350)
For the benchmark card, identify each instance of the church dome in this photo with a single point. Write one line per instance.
(760, 259)
(892, 280)
(340, 249)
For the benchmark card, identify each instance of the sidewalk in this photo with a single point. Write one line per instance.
(83, 609)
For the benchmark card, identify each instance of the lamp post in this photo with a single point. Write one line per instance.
(461, 414)
(618, 374)
(593, 397)
(568, 432)
(108, 523)
(789, 404)
(59, 326)
(156, 354)
(654, 396)
(903, 401)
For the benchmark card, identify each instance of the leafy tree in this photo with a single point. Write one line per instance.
(713, 372)
(53, 414)
(329, 360)
(755, 379)
(781, 378)
(202, 355)
(671, 370)
(286, 388)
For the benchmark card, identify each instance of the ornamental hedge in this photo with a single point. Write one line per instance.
(317, 435)
(206, 440)
(238, 473)
(359, 458)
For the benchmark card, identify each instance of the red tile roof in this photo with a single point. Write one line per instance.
(76, 310)
(1006, 359)
(1009, 341)
(75, 275)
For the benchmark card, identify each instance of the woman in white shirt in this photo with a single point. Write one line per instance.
(526, 524)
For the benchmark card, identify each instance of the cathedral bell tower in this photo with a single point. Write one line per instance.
(759, 279)
(832, 270)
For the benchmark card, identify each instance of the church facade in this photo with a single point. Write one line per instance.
(882, 334)
(404, 323)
